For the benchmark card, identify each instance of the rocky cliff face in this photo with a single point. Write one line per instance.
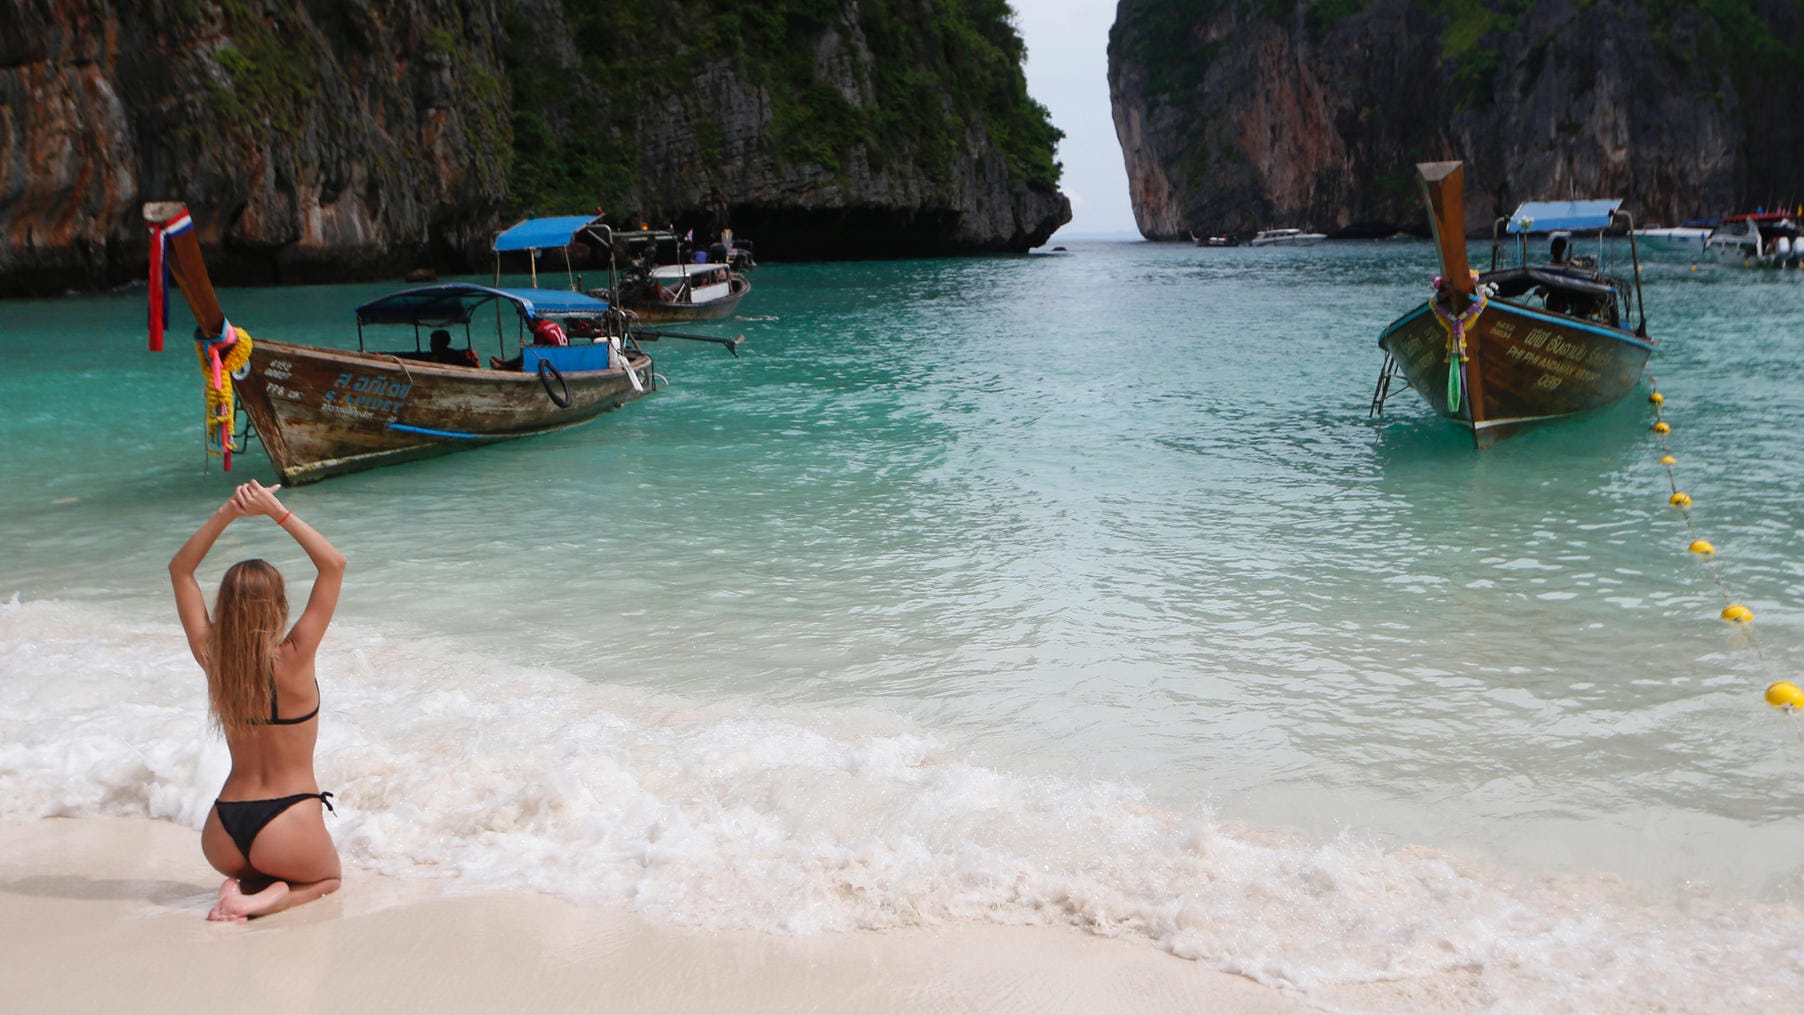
(831, 129)
(1238, 115)
(357, 138)
(307, 146)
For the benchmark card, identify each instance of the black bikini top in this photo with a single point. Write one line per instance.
(275, 718)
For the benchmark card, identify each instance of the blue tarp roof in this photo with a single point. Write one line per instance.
(1548, 216)
(541, 234)
(457, 302)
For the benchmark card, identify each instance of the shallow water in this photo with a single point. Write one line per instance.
(1072, 587)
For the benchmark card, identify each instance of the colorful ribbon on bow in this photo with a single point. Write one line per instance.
(159, 274)
(1456, 328)
(217, 370)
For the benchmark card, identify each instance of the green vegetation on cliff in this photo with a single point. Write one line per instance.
(1245, 110)
(1162, 37)
(272, 74)
(1687, 34)
(903, 82)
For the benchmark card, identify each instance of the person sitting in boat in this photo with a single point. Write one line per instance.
(1557, 255)
(443, 353)
(545, 331)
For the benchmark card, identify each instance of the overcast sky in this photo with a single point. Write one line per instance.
(1068, 73)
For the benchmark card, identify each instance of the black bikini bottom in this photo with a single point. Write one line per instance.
(243, 819)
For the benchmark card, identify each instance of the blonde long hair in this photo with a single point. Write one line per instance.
(250, 617)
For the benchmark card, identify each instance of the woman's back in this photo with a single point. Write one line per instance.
(274, 758)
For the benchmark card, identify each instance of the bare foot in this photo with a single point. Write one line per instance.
(216, 913)
(236, 907)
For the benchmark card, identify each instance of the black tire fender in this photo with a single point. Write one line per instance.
(549, 373)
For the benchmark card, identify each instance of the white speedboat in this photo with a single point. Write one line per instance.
(1285, 238)
(1685, 239)
(1762, 239)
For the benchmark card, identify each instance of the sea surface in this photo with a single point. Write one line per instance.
(1074, 587)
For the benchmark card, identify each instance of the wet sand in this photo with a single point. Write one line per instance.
(108, 914)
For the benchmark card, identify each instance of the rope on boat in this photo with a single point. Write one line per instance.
(1779, 693)
(403, 365)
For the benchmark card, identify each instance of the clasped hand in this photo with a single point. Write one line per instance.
(253, 498)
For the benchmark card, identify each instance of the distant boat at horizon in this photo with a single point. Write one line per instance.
(1285, 238)
(1687, 238)
(1758, 239)
(1214, 241)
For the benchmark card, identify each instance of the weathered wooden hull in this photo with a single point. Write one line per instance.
(1523, 365)
(654, 311)
(321, 412)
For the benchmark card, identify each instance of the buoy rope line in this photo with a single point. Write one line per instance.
(1779, 693)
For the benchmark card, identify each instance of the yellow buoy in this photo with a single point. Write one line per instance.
(1679, 500)
(1657, 398)
(1785, 694)
(1668, 460)
(1662, 427)
(1702, 546)
(1737, 613)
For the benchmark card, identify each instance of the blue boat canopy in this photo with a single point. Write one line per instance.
(542, 234)
(457, 302)
(1549, 216)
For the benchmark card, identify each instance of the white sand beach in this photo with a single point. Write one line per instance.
(107, 915)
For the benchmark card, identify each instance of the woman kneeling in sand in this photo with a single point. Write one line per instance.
(267, 831)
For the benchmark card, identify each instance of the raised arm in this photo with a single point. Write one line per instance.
(190, 602)
(323, 601)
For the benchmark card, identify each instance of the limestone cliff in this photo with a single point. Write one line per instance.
(309, 140)
(1236, 115)
(835, 128)
(326, 140)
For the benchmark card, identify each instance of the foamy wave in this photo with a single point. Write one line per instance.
(454, 766)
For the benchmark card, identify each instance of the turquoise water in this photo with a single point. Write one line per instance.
(970, 567)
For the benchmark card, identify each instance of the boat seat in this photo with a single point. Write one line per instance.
(1513, 282)
(1565, 290)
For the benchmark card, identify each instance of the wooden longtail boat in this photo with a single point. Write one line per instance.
(663, 284)
(323, 411)
(676, 293)
(1531, 341)
(659, 284)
